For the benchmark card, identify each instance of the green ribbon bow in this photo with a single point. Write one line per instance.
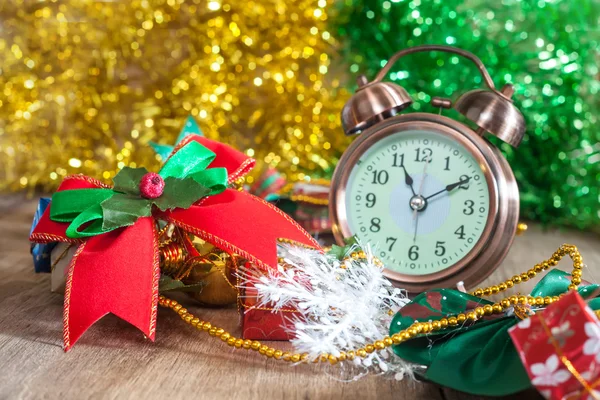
(96, 211)
(479, 358)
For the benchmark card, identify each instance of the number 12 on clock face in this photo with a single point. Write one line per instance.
(421, 198)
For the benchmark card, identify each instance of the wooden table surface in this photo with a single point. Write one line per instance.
(113, 360)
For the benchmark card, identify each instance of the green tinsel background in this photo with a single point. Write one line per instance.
(550, 51)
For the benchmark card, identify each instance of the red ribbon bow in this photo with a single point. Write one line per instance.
(118, 272)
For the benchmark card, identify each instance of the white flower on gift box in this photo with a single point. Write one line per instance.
(592, 344)
(548, 374)
(562, 332)
(524, 324)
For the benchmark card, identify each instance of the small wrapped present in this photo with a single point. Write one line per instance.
(307, 203)
(477, 357)
(61, 258)
(53, 257)
(560, 349)
(261, 322)
(41, 252)
(268, 184)
(193, 261)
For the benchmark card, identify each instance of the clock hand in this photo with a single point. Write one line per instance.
(415, 212)
(449, 188)
(408, 180)
(457, 184)
(426, 161)
(416, 226)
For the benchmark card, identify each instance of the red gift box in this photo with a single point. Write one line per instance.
(259, 321)
(560, 349)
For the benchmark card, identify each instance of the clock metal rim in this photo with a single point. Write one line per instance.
(391, 127)
(477, 264)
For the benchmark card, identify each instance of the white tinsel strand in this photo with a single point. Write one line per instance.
(343, 306)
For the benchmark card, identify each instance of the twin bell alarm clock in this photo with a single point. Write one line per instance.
(433, 197)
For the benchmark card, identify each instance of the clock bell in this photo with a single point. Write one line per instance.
(490, 109)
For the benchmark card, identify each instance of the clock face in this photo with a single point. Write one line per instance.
(420, 199)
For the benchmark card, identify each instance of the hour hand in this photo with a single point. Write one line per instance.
(409, 180)
(450, 187)
(454, 185)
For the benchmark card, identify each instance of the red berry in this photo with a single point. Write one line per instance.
(152, 185)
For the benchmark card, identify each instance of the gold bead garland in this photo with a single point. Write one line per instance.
(406, 334)
(551, 262)
(304, 198)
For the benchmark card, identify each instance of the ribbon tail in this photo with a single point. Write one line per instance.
(241, 223)
(117, 273)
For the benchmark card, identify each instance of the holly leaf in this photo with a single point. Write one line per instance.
(180, 193)
(340, 252)
(128, 180)
(123, 210)
(350, 241)
(337, 251)
(168, 284)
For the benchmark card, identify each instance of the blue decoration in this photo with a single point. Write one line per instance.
(41, 251)
(190, 128)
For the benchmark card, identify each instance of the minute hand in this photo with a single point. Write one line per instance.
(449, 188)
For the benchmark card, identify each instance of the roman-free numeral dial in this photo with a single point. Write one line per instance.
(421, 198)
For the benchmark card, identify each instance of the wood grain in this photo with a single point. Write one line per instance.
(113, 360)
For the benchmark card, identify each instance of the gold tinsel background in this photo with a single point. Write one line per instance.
(85, 84)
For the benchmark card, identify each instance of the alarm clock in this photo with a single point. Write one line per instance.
(436, 201)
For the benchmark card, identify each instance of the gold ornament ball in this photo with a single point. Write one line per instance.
(218, 290)
(218, 275)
